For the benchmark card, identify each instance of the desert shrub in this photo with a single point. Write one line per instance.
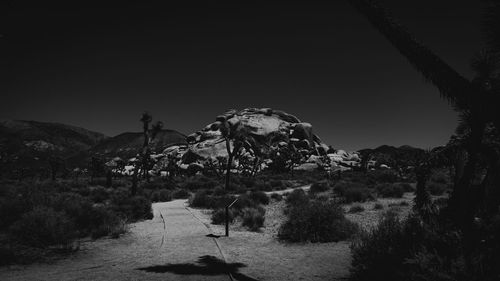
(259, 197)
(409, 250)
(154, 185)
(104, 222)
(263, 186)
(76, 207)
(244, 201)
(219, 190)
(436, 189)
(148, 193)
(7, 256)
(98, 181)
(390, 190)
(406, 187)
(253, 218)
(98, 194)
(219, 216)
(316, 222)
(199, 182)
(133, 208)
(248, 182)
(375, 252)
(357, 194)
(180, 194)
(162, 195)
(276, 196)
(353, 191)
(200, 199)
(276, 183)
(356, 208)
(319, 187)
(297, 197)
(11, 210)
(42, 227)
(219, 202)
(321, 198)
(378, 206)
(341, 186)
(382, 176)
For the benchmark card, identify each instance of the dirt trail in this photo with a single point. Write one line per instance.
(186, 253)
(181, 250)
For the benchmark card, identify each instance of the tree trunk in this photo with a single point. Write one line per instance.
(462, 191)
(463, 211)
(135, 179)
(491, 189)
(422, 198)
(229, 163)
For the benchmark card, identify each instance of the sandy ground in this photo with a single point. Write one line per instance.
(268, 259)
(186, 253)
(182, 251)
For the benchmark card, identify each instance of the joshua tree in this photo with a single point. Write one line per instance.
(479, 98)
(240, 138)
(145, 162)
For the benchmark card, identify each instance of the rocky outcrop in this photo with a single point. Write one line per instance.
(270, 130)
(266, 126)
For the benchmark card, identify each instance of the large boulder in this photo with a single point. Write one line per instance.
(303, 131)
(267, 127)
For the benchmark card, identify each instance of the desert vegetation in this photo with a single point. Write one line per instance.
(40, 218)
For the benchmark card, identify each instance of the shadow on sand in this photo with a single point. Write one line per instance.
(206, 265)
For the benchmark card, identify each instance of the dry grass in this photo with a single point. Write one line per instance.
(268, 259)
(369, 218)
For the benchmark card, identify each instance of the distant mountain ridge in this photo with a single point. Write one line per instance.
(27, 145)
(127, 144)
(391, 155)
(43, 136)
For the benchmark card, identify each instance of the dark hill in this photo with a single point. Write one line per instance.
(27, 145)
(401, 156)
(128, 144)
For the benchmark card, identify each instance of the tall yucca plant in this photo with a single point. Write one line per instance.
(460, 92)
(477, 100)
(240, 137)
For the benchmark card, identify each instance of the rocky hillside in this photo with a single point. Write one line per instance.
(391, 156)
(127, 145)
(28, 144)
(273, 132)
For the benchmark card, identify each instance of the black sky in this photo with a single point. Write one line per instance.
(99, 67)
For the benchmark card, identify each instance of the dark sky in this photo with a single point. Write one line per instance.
(99, 67)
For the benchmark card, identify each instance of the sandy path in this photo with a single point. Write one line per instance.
(266, 258)
(186, 253)
(288, 190)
